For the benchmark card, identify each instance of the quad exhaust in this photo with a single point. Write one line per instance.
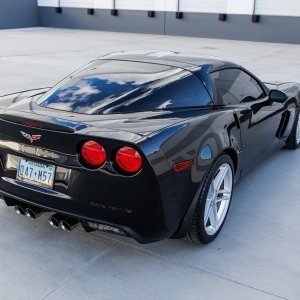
(57, 220)
(33, 212)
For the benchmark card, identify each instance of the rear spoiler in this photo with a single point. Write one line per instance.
(42, 122)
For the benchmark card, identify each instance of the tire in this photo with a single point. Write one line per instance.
(293, 140)
(199, 231)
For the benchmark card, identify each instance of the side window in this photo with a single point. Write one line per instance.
(235, 86)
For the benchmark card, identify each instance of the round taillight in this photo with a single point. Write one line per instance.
(93, 154)
(129, 160)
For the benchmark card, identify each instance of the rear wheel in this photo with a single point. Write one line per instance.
(293, 140)
(213, 202)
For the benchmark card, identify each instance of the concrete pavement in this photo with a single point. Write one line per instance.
(255, 257)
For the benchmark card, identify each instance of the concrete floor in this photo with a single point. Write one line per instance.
(255, 257)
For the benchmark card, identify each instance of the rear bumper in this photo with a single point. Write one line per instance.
(144, 224)
(150, 218)
(157, 223)
(144, 207)
(12, 200)
(148, 206)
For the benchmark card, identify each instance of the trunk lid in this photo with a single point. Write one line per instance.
(127, 127)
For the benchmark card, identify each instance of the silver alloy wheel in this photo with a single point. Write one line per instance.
(218, 199)
(298, 131)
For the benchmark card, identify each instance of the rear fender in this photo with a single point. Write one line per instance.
(204, 144)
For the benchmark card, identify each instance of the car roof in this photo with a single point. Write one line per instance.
(184, 60)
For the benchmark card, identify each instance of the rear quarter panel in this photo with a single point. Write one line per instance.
(198, 138)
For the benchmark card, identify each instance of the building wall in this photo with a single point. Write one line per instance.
(126, 21)
(278, 7)
(200, 18)
(279, 20)
(263, 7)
(18, 13)
(237, 27)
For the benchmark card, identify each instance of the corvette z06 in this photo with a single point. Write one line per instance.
(144, 144)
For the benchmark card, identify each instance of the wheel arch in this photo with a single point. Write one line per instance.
(234, 156)
(186, 221)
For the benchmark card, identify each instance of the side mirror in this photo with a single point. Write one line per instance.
(277, 96)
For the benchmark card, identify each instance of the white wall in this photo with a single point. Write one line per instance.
(240, 7)
(278, 7)
(77, 3)
(53, 3)
(104, 4)
(207, 6)
(158, 5)
(263, 7)
(135, 4)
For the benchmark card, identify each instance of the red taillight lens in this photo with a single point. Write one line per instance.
(129, 160)
(93, 154)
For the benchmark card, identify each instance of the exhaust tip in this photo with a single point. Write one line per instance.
(65, 226)
(55, 220)
(68, 224)
(20, 210)
(53, 223)
(29, 214)
(33, 212)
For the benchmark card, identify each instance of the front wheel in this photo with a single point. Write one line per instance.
(213, 202)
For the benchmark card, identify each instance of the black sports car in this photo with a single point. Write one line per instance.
(144, 144)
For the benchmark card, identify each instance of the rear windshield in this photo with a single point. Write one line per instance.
(110, 86)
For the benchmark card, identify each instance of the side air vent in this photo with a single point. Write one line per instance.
(283, 124)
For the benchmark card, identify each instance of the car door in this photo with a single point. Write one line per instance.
(259, 118)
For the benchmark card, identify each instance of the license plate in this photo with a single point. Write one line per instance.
(36, 173)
